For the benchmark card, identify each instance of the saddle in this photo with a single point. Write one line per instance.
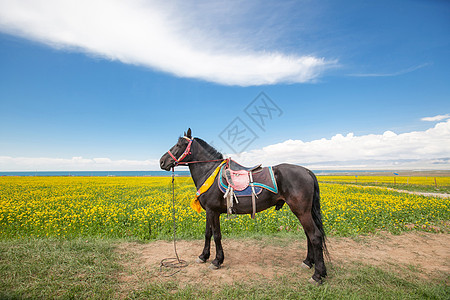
(234, 166)
(243, 181)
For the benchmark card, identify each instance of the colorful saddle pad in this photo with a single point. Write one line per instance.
(262, 179)
(239, 180)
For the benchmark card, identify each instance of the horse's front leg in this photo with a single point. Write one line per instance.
(206, 249)
(214, 219)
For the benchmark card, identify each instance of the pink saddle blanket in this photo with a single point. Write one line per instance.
(238, 180)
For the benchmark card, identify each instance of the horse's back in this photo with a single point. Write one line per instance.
(293, 170)
(294, 179)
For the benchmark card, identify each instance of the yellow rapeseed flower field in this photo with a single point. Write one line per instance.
(141, 207)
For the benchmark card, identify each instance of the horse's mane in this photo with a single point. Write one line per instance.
(210, 149)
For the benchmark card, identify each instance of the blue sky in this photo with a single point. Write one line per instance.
(110, 85)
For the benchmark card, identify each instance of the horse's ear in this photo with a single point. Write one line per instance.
(184, 134)
(189, 133)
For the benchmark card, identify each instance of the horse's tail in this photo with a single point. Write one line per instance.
(317, 215)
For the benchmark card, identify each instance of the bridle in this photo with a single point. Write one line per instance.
(187, 151)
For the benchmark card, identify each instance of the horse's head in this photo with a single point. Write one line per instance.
(179, 152)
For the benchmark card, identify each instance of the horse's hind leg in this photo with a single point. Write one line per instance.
(315, 242)
(316, 239)
(309, 260)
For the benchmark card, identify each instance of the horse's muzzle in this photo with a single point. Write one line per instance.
(163, 164)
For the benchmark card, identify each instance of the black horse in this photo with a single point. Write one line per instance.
(297, 186)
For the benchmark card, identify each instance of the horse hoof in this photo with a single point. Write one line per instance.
(305, 266)
(200, 261)
(314, 282)
(213, 267)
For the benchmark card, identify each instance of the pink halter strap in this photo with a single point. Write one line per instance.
(185, 153)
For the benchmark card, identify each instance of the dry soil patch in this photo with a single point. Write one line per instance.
(249, 260)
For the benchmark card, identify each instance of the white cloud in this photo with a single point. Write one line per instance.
(156, 36)
(426, 149)
(436, 118)
(8, 163)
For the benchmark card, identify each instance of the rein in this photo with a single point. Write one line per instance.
(173, 263)
(197, 161)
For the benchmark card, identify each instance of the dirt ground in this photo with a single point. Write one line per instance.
(426, 194)
(249, 259)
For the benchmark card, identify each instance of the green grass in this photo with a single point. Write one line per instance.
(352, 282)
(89, 269)
(51, 268)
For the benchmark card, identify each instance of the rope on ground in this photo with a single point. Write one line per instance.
(168, 265)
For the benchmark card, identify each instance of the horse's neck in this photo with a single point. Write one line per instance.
(202, 170)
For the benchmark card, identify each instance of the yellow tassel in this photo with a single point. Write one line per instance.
(195, 204)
